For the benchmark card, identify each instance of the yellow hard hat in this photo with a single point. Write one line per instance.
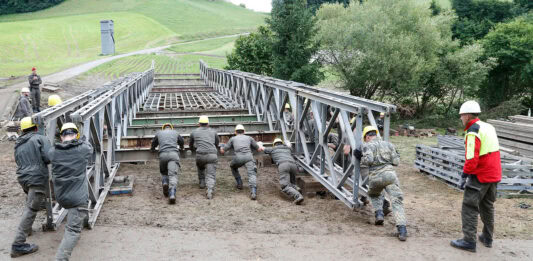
(167, 124)
(352, 120)
(287, 106)
(26, 123)
(381, 114)
(70, 126)
(204, 120)
(368, 129)
(276, 140)
(54, 100)
(25, 89)
(239, 127)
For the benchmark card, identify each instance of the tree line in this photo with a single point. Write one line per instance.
(24, 6)
(420, 56)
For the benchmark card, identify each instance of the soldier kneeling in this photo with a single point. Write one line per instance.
(282, 157)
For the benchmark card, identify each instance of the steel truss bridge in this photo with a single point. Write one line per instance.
(120, 119)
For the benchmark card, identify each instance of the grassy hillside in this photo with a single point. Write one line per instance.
(53, 44)
(163, 64)
(68, 34)
(212, 46)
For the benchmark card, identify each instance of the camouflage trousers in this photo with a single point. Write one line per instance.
(286, 170)
(75, 220)
(34, 200)
(478, 200)
(248, 161)
(169, 165)
(387, 180)
(207, 168)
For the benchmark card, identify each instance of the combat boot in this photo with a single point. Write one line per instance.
(23, 249)
(365, 200)
(298, 199)
(172, 196)
(165, 185)
(402, 232)
(464, 245)
(202, 183)
(209, 193)
(386, 207)
(239, 182)
(486, 242)
(296, 187)
(379, 218)
(253, 193)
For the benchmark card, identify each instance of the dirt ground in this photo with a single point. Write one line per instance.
(432, 207)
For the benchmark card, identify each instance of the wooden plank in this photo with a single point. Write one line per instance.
(522, 119)
(309, 185)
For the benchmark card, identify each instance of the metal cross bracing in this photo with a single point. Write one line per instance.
(101, 114)
(317, 113)
(187, 101)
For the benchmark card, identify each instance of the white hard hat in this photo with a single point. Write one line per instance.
(25, 89)
(470, 107)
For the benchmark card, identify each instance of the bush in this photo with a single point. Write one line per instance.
(504, 110)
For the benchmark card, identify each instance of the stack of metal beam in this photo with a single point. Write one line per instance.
(516, 134)
(445, 162)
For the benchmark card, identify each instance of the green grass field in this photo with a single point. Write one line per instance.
(213, 46)
(163, 64)
(68, 34)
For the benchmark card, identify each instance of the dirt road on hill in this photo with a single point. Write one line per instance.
(8, 94)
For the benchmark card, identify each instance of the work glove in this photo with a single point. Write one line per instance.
(358, 154)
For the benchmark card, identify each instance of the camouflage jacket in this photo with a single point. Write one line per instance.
(379, 154)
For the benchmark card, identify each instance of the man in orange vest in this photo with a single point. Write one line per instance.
(482, 171)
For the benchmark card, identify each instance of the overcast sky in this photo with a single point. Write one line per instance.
(256, 5)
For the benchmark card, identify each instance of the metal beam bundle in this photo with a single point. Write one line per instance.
(317, 113)
(447, 159)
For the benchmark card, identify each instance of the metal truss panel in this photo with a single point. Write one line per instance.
(316, 115)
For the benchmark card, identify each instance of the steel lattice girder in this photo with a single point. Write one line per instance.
(327, 112)
(104, 113)
(50, 121)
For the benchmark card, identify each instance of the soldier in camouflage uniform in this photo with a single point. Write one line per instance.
(204, 141)
(282, 157)
(243, 145)
(379, 156)
(169, 158)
